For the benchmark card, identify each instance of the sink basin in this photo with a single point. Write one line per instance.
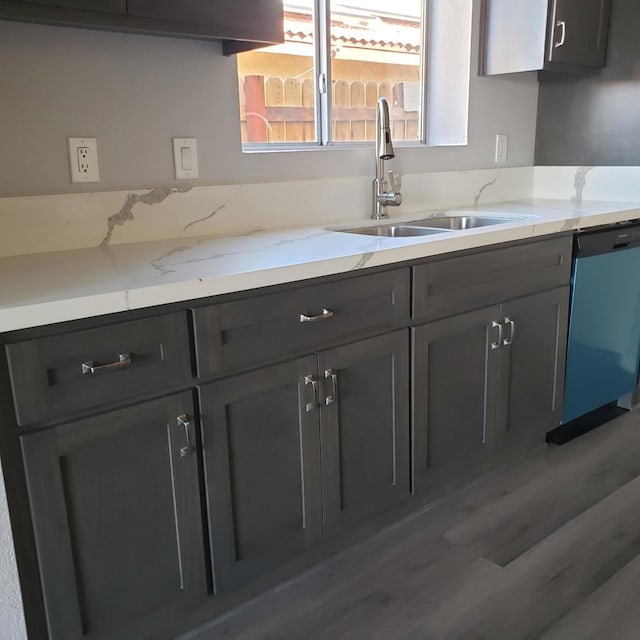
(459, 222)
(395, 231)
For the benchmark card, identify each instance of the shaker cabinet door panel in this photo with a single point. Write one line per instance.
(578, 32)
(365, 428)
(532, 365)
(262, 468)
(454, 389)
(117, 519)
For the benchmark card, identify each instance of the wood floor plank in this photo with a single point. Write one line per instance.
(550, 579)
(505, 528)
(377, 602)
(610, 612)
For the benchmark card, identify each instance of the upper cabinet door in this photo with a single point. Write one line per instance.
(578, 32)
(259, 20)
(108, 6)
(567, 36)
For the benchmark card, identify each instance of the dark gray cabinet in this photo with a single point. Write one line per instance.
(550, 35)
(455, 385)
(117, 516)
(487, 379)
(245, 20)
(262, 329)
(364, 418)
(240, 24)
(321, 438)
(62, 375)
(109, 6)
(261, 444)
(577, 32)
(533, 373)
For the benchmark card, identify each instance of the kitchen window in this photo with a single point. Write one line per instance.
(320, 87)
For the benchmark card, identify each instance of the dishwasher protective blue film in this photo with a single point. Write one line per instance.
(604, 331)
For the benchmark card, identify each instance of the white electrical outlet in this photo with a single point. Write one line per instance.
(185, 158)
(83, 159)
(502, 147)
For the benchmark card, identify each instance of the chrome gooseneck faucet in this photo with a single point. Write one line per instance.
(386, 190)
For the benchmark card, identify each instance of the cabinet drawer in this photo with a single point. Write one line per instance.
(274, 326)
(61, 375)
(446, 287)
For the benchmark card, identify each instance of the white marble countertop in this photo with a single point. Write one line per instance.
(46, 288)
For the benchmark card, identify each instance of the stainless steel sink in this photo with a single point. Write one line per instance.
(435, 224)
(395, 231)
(458, 222)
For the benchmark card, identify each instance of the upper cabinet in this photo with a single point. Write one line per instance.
(110, 6)
(240, 24)
(552, 35)
(255, 21)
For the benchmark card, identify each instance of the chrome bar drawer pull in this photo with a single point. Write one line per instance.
(330, 373)
(325, 315)
(184, 422)
(512, 333)
(90, 368)
(498, 343)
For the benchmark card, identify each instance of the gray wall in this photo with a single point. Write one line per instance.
(135, 92)
(595, 120)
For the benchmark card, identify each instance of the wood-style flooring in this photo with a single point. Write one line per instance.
(545, 548)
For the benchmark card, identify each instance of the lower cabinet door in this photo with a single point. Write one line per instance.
(532, 365)
(118, 525)
(261, 442)
(365, 428)
(455, 378)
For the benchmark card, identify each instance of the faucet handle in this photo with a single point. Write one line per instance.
(395, 182)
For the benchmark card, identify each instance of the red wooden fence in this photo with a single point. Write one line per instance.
(274, 110)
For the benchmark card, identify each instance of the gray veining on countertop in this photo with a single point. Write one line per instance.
(364, 259)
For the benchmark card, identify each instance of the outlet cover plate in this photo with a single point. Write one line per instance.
(83, 160)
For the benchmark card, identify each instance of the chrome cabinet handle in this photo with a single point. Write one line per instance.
(561, 24)
(184, 422)
(325, 315)
(330, 399)
(507, 342)
(90, 368)
(498, 343)
(313, 381)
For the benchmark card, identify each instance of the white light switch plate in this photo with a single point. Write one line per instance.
(502, 148)
(83, 160)
(185, 158)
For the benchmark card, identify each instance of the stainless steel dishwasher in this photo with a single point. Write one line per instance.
(603, 350)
